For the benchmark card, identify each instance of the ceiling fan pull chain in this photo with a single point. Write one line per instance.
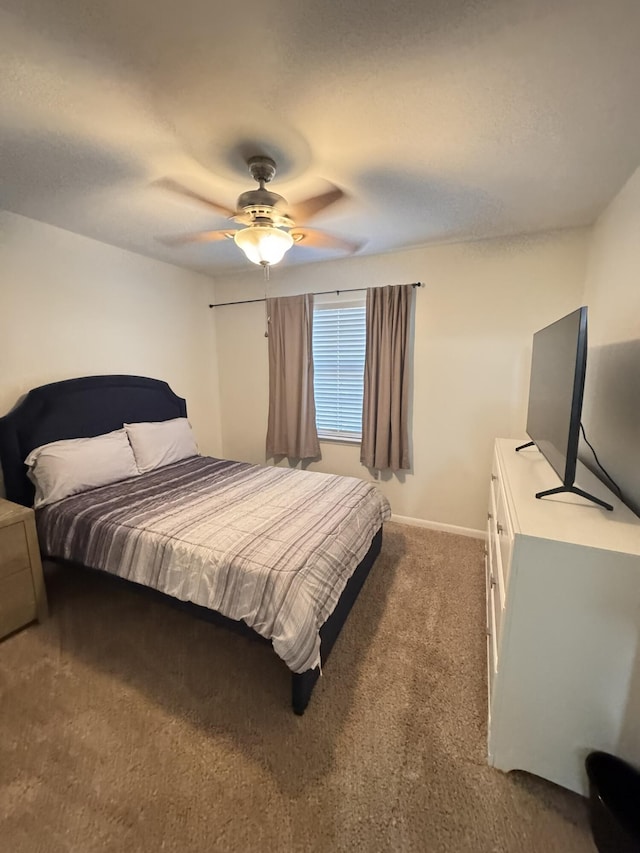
(266, 309)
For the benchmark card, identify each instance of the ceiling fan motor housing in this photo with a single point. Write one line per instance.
(262, 206)
(261, 202)
(262, 169)
(260, 198)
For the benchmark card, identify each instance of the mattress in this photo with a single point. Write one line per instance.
(273, 547)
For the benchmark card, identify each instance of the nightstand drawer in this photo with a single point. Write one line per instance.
(14, 553)
(17, 602)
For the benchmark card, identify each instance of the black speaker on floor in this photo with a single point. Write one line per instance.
(614, 803)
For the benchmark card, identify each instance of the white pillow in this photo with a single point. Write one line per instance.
(160, 443)
(64, 468)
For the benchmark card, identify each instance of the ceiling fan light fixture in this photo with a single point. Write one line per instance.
(264, 244)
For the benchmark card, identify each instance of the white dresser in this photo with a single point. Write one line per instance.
(563, 622)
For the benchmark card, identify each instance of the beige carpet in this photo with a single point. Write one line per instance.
(128, 726)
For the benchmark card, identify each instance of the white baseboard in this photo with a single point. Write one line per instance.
(439, 525)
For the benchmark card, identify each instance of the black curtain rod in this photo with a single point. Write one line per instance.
(317, 293)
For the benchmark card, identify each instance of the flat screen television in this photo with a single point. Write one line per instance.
(556, 389)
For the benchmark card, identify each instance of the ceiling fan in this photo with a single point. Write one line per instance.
(270, 222)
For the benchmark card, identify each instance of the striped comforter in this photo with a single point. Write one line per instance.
(273, 547)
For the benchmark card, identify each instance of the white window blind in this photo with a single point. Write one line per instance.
(339, 337)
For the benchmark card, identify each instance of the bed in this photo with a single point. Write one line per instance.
(275, 537)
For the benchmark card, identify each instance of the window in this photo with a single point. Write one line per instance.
(339, 336)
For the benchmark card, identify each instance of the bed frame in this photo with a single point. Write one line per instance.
(93, 405)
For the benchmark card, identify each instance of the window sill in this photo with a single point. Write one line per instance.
(339, 439)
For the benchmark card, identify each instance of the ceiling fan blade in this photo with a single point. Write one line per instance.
(315, 239)
(197, 237)
(175, 187)
(310, 207)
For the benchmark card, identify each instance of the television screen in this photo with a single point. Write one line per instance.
(558, 368)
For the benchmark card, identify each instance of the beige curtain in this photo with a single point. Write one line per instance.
(385, 434)
(291, 429)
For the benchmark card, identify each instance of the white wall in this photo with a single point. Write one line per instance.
(70, 306)
(612, 292)
(473, 325)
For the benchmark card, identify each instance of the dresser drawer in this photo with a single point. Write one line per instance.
(495, 551)
(487, 572)
(17, 601)
(504, 532)
(502, 524)
(495, 589)
(14, 553)
(493, 642)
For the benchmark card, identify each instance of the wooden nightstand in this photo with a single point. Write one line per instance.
(22, 593)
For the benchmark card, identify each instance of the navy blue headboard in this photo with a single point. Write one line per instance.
(77, 408)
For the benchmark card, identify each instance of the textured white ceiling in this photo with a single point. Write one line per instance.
(442, 119)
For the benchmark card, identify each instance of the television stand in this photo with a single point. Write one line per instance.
(574, 491)
(560, 489)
